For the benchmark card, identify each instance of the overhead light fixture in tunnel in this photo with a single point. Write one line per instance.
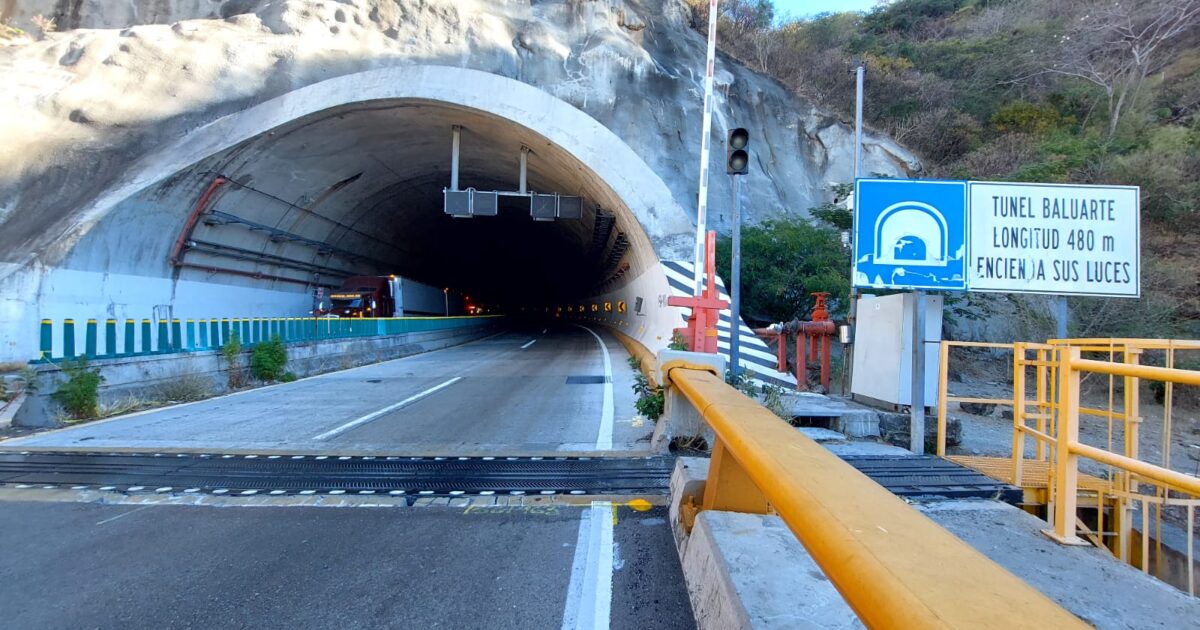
(470, 203)
(548, 207)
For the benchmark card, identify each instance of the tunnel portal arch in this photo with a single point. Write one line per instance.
(142, 213)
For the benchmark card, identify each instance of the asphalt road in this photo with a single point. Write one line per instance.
(517, 393)
(87, 565)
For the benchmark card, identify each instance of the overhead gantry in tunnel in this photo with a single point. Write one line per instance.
(252, 212)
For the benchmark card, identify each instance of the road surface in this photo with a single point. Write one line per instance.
(516, 393)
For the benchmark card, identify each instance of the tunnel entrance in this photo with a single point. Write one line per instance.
(358, 190)
(253, 212)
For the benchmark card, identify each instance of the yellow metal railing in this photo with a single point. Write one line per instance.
(1057, 368)
(894, 566)
(1068, 448)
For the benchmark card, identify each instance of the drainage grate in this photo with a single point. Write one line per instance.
(930, 476)
(587, 379)
(303, 474)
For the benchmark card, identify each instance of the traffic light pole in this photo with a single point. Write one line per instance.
(735, 281)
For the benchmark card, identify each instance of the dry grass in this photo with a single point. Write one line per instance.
(185, 388)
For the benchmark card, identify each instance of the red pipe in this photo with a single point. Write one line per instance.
(186, 233)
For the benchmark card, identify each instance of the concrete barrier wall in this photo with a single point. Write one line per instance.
(148, 377)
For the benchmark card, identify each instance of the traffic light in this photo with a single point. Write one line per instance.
(737, 160)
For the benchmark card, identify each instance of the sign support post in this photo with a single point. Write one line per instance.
(1060, 307)
(916, 439)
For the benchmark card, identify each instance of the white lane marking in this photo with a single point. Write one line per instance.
(531, 342)
(604, 438)
(109, 520)
(390, 408)
(589, 593)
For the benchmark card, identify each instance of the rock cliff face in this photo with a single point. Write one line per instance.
(80, 105)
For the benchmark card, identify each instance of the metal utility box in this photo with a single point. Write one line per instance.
(570, 207)
(458, 203)
(544, 207)
(883, 348)
(484, 204)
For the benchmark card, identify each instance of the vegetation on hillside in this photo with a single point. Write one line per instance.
(1079, 91)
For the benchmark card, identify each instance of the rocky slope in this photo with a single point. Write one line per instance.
(80, 105)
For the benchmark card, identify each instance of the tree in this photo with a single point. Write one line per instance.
(750, 15)
(783, 262)
(1116, 45)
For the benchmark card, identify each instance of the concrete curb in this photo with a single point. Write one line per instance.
(748, 570)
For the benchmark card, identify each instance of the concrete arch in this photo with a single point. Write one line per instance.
(665, 223)
(77, 277)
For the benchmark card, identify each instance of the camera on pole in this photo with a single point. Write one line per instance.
(737, 160)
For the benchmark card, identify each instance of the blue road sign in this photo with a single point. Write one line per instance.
(910, 234)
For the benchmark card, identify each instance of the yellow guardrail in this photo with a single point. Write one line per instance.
(894, 566)
(1068, 448)
(646, 360)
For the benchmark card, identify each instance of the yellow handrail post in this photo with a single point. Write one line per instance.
(1043, 406)
(943, 393)
(1066, 462)
(1123, 515)
(728, 487)
(1018, 412)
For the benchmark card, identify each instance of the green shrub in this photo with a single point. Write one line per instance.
(268, 359)
(230, 352)
(79, 394)
(783, 262)
(1026, 117)
(287, 377)
(651, 400)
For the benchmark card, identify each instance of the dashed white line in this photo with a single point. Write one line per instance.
(589, 593)
(390, 408)
(529, 343)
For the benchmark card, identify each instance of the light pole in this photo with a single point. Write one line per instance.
(446, 294)
(859, 70)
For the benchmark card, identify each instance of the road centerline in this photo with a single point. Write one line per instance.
(529, 343)
(390, 408)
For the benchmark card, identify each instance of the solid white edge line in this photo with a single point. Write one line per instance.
(529, 343)
(375, 414)
(604, 438)
(589, 592)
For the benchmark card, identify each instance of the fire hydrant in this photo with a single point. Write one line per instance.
(813, 342)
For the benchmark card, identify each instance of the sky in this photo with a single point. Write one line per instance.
(804, 8)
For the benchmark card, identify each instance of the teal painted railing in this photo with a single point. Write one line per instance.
(210, 334)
